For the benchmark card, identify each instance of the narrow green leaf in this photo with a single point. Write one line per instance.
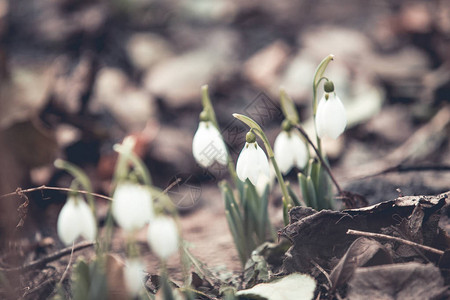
(288, 107)
(304, 189)
(237, 239)
(264, 213)
(293, 195)
(315, 173)
(325, 189)
(311, 192)
(81, 281)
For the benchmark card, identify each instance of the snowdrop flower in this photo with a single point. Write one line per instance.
(132, 206)
(162, 237)
(290, 151)
(76, 219)
(262, 183)
(252, 161)
(331, 118)
(208, 145)
(133, 276)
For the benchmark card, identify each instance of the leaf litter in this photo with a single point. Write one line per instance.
(401, 255)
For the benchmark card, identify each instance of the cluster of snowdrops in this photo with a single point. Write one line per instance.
(136, 203)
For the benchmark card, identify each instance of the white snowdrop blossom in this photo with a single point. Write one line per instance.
(163, 237)
(132, 206)
(331, 118)
(134, 276)
(208, 145)
(261, 184)
(290, 151)
(76, 219)
(252, 163)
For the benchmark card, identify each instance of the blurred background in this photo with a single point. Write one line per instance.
(77, 76)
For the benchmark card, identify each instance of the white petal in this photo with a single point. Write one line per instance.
(208, 145)
(247, 163)
(163, 237)
(221, 155)
(300, 150)
(134, 276)
(87, 221)
(251, 163)
(200, 145)
(263, 182)
(242, 163)
(331, 118)
(284, 152)
(67, 228)
(132, 207)
(262, 163)
(320, 119)
(76, 219)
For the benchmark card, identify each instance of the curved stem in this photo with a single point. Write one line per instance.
(208, 107)
(319, 155)
(287, 201)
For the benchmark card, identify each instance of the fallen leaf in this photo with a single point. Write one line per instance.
(321, 236)
(294, 286)
(399, 281)
(362, 252)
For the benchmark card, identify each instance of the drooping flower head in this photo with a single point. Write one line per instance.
(163, 237)
(252, 162)
(290, 150)
(208, 145)
(76, 219)
(132, 206)
(134, 276)
(331, 118)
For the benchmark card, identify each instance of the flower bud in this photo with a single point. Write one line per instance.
(290, 151)
(76, 219)
(134, 276)
(252, 163)
(208, 145)
(331, 118)
(163, 237)
(132, 206)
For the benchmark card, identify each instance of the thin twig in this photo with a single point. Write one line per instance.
(323, 272)
(319, 155)
(392, 238)
(68, 265)
(167, 189)
(44, 187)
(45, 260)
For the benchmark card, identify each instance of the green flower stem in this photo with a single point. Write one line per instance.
(81, 178)
(209, 109)
(132, 248)
(138, 164)
(207, 106)
(287, 201)
(318, 77)
(321, 159)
